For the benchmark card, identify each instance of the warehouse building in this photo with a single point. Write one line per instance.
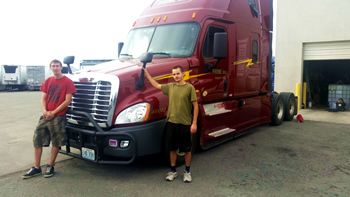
(313, 47)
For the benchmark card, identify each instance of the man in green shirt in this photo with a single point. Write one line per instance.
(181, 123)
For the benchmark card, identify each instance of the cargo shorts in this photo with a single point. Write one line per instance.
(50, 130)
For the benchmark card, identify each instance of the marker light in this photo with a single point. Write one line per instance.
(113, 143)
(194, 14)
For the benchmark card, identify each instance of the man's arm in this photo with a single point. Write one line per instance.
(195, 116)
(43, 104)
(153, 82)
(63, 105)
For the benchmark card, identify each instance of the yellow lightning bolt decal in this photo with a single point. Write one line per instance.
(187, 76)
(249, 62)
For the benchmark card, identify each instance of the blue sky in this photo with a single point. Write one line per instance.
(36, 31)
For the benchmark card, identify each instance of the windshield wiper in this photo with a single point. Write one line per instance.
(161, 53)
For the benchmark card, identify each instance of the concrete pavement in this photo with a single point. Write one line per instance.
(309, 159)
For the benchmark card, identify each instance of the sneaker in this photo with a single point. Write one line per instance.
(50, 171)
(171, 176)
(32, 172)
(187, 177)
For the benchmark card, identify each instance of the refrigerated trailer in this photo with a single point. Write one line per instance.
(224, 47)
(13, 77)
(36, 74)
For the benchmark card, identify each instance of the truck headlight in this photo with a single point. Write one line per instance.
(133, 114)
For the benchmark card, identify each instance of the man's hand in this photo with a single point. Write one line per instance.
(45, 114)
(193, 128)
(48, 115)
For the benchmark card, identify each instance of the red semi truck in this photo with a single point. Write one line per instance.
(224, 47)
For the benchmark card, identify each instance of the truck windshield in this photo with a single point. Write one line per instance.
(174, 40)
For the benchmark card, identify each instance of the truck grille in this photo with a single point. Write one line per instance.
(93, 98)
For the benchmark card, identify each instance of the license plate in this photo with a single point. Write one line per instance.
(88, 153)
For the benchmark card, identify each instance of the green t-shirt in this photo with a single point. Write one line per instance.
(180, 102)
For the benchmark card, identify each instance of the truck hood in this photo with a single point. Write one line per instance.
(130, 67)
(112, 67)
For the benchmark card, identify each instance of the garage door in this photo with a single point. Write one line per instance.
(327, 50)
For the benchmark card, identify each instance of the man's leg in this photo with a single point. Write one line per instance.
(38, 139)
(41, 138)
(50, 170)
(53, 156)
(187, 147)
(57, 130)
(35, 170)
(187, 174)
(188, 158)
(172, 174)
(37, 156)
(173, 157)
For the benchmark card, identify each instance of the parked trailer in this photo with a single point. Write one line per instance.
(14, 77)
(25, 77)
(36, 74)
(224, 48)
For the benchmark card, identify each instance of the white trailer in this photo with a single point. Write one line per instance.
(36, 74)
(13, 77)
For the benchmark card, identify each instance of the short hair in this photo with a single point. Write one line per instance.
(178, 67)
(56, 62)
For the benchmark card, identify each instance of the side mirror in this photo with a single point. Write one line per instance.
(68, 60)
(146, 58)
(120, 47)
(220, 45)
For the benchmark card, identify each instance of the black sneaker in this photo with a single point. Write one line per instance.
(50, 171)
(32, 172)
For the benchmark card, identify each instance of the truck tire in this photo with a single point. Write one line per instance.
(290, 106)
(277, 109)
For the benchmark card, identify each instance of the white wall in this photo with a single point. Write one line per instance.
(300, 21)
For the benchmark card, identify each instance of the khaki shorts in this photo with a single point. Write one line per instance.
(50, 130)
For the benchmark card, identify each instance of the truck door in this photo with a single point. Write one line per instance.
(216, 78)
